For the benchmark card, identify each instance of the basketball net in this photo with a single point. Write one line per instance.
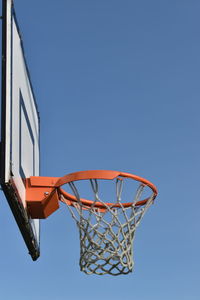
(107, 234)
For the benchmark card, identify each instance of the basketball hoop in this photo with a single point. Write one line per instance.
(106, 229)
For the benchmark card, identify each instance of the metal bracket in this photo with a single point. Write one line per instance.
(42, 197)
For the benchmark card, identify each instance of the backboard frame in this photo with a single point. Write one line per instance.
(24, 222)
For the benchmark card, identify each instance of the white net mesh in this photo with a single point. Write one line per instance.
(107, 234)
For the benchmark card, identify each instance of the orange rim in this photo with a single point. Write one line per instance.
(101, 174)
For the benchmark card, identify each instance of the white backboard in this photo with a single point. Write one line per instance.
(20, 128)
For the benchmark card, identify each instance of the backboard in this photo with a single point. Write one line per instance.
(19, 128)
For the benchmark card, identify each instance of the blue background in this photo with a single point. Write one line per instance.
(117, 85)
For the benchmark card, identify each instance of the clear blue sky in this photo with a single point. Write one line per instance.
(117, 85)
